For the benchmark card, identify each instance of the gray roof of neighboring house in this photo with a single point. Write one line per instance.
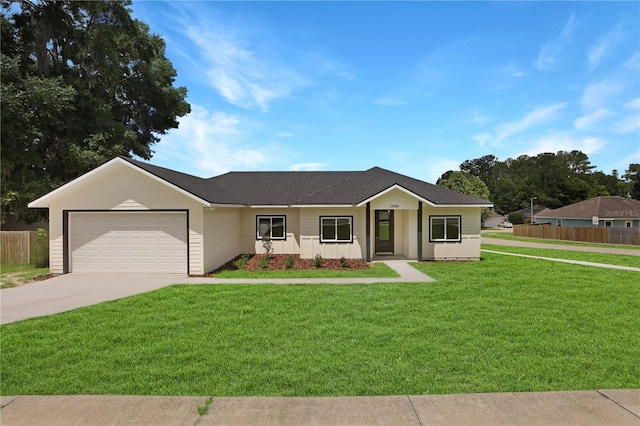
(526, 211)
(603, 207)
(304, 187)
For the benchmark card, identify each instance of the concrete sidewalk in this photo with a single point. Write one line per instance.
(603, 407)
(514, 243)
(575, 262)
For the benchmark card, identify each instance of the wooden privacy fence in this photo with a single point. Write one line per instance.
(24, 248)
(629, 236)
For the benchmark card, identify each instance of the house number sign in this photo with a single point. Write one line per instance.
(394, 206)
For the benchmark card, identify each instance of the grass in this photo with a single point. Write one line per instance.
(11, 276)
(611, 259)
(508, 236)
(503, 324)
(377, 270)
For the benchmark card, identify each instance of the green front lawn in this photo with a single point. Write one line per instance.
(611, 259)
(377, 270)
(499, 325)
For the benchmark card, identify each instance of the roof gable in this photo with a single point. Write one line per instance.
(44, 201)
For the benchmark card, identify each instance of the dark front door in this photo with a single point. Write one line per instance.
(384, 231)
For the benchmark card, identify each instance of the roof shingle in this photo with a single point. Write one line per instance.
(304, 187)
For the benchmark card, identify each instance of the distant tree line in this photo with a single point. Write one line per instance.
(556, 180)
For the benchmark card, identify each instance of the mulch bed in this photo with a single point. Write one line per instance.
(278, 261)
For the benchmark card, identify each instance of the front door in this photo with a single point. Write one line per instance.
(384, 231)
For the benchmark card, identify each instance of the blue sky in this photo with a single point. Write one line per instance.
(414, 87)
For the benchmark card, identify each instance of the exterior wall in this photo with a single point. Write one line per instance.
(221, 236)
(587, 223)
(467, 248)
(249, 244)
(310, 244)
(122, 188)
(395, 199)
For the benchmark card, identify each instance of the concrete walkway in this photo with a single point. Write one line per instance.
(513, 243)
(602, 407)
(575, 262)
(71, 291)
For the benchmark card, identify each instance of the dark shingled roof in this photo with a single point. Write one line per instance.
(286, 188)
(603, 207)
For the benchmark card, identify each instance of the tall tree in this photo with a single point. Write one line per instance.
(82, 82)
(632, 176)
(467, 184)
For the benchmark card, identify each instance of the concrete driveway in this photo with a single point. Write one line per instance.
(71, 291)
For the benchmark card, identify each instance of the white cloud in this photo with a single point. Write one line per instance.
(633, 104)
(244, 75)
(482, 139)
(596, 52)
(307, 167)
(390, 102)
(537, 116)
(597, 95)
(512, 70)
(588, 121)
(563, 142)
(479, 118)
(208, 143)
(627, 124)
(554, 49)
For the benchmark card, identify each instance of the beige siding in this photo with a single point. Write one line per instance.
(221, 236)
(467, 248)
(310, 244)
(120, 187)
(395, 199)
(249, 244)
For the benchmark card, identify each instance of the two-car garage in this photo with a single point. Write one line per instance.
(131, 241)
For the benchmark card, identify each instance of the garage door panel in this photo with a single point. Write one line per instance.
(121, 242)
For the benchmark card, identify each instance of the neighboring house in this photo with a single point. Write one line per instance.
(131, 216)
(608, 211)
(494, 220)
(526, 212)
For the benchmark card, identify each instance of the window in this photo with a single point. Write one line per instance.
(608, 224)
(271, 226)
(559, 222)
(444, 228)
(628, 224)
(336, 229)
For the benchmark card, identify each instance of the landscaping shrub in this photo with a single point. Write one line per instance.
(264, 262)
(290, 262)
(241, 262)
(318, 260)
(344, 262)
(516, 218)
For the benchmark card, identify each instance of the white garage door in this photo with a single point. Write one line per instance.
(149, 242)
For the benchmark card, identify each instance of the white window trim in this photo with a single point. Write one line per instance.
(445, 239)
(608, 224)
(336, 240)
(628, 224)
(271, 217)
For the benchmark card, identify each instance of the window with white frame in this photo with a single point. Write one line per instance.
(628, 224)
(608, 224)
(445, 228)
(273, 227)
(336, 229)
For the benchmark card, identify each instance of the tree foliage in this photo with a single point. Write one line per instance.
(467, 184)
(82, 82)
(556, 180)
